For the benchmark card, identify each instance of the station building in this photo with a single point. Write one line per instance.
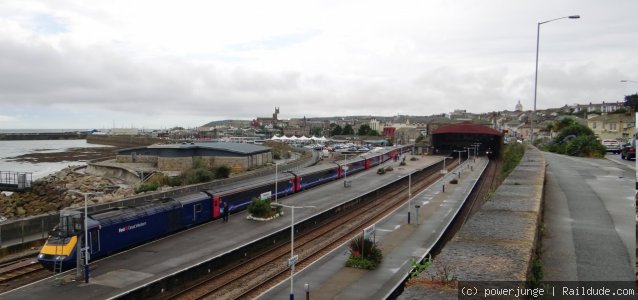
(458, 136)
(180, 157)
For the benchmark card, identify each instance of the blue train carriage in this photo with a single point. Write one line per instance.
(312, 176)
(238, 197)
(115, 229)
(196, 209)
(354, 165)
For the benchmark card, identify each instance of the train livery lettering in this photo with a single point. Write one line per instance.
(131, 227)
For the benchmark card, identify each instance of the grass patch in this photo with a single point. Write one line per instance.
(511, 157)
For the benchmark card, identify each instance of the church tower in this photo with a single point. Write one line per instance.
(519, 106)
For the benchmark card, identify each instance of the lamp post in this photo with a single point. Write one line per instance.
(476, 149)
(345, 170)
(276, 180)
(538, 32)
(468, 152)
(444, 171)
(86, 231)
(292, 259)
(459, 151)
(410, 194)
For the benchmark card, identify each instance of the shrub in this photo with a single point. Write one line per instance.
(175, 181)
(146, 187)
(222, 172)
(576, 140)
(262, 209)
(198, 164)
(511, 157)
(364, 254)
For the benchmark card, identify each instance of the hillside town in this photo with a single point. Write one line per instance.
(608, 120)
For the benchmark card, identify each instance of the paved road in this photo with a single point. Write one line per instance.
(589, 220)
(616, 158)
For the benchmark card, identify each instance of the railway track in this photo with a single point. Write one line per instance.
(252, 278)
(21, 272)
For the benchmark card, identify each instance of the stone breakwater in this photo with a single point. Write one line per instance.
(497, 244)
(52, 193)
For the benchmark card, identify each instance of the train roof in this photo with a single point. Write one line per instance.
(314, 169)
(262, 180)
(184, 199)
(121, 214)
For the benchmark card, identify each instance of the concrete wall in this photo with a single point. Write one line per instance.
(237, 164)
(138, 159)
(496, 244)
(174, 163)
(98, 169)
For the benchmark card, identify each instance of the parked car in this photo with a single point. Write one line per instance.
(612, 146)
(629, 150)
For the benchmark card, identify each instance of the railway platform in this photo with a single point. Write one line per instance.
(401, 245)
(117, 274)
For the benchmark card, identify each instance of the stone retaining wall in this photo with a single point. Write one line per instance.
(498, 243)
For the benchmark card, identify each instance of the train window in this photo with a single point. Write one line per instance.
(198, 208)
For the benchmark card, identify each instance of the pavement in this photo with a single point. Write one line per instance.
(401, 244)
(589, 220)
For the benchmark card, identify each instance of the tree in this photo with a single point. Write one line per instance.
(373, 132)
(631, 101)
(336, 130)
(364, 129)
(347, 130)
(316, 131)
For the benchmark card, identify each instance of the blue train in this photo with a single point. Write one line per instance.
(115, 229)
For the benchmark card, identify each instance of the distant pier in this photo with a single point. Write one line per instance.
(15, 181)
(43, 136)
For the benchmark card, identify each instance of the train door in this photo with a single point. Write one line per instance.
(297, 183)
(367, 163)
(216, 203)
(197, 211)
(94, 237)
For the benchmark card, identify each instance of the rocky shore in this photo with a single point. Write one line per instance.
(53, 193)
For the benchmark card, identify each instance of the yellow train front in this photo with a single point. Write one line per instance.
(59, 253)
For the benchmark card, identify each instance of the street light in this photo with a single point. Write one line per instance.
(538, 32)
(86, 231)
(292, 260)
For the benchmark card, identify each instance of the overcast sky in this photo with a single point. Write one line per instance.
(159, 64)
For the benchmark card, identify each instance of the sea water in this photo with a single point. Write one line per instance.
(10, 149)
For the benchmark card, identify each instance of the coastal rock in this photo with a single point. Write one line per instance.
(51, 193)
